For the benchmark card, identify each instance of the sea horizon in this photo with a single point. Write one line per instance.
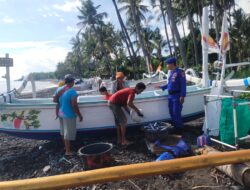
(42, 84)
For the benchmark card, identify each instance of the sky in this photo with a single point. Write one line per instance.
(37, 34)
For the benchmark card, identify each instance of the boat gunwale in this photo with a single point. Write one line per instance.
(137, 100)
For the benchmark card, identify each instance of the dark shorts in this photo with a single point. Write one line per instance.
(120, 117)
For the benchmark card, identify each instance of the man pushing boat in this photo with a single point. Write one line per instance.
(66, 97)
(123, 99)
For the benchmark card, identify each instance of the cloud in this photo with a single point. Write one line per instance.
(72, 29)
(68, 6)
(244, 5)
(7, 20)
(52, 14)
(31, 56)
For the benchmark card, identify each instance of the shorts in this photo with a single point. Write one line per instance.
(120, 117)
(68, 128)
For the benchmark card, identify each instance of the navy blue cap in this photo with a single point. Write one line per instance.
(69, 78)
(171, 60)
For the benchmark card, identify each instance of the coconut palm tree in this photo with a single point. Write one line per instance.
(89, 17)
(76, 48)
(191, 27)
(158, 42)
(176, 32)
(163, 15)
(127, 39)
(240, 41)
(134, 11)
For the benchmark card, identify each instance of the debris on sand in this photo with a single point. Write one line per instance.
(24, 158)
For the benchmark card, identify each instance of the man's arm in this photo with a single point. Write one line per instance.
(127, 109)
(76, 108)
(131, 104)
(164, 87)
(56, 97)
(183, 87)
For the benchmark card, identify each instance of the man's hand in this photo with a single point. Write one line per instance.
(80, 118)
(157, 86)
(140, 114)
(182, 99)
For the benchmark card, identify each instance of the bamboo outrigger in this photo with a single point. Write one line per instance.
(127, 171)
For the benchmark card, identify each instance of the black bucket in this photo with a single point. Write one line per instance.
(96, 155)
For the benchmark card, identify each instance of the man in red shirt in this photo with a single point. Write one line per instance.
(124, 98)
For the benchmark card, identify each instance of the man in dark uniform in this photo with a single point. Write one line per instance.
(176, 87)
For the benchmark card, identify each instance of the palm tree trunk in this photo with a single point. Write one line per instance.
(173, 24)
(173, 38)
(190, 21)
(184, 33)
(216, 21)
(165, 26)
(127, 40)
(138, 31)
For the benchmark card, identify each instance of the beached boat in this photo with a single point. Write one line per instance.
(35, 118)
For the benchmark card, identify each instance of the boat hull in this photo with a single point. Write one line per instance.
(35, 118)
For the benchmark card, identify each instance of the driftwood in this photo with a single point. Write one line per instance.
(239, 172)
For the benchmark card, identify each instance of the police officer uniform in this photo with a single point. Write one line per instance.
(176, 87)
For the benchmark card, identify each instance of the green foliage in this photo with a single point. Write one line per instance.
(245, 96)
(43, 75)
(99, 49)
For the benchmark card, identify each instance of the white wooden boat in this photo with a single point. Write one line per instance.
(35, 118)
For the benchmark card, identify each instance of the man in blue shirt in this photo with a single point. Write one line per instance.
(176, 87)
(66, 97)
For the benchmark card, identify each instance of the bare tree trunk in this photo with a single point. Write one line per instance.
(165, 26)
(138, 31)
(183, 29)
(127, 40)
(174, 27)
(216, 21)
(103, 49)
(190, 21)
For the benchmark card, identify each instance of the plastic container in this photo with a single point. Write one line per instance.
(96, 155)
(203, 140)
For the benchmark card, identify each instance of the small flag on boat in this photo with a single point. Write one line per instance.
(212, 45)
(224, 40)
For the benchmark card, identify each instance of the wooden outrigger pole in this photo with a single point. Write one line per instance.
(127, 171)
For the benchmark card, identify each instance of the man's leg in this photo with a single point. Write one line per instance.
(119, 138)
(177, 107)
(62, 130)
(123, 135)
(170, 108)
(121, 122)
(68, 150)
(69, 135)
